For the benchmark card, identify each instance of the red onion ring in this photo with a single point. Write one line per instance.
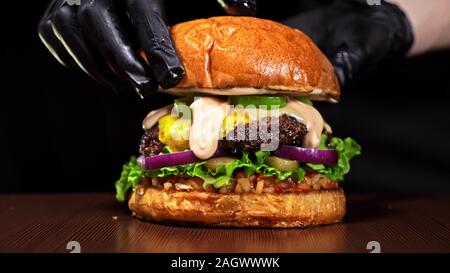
(307, 155)
(172, 159)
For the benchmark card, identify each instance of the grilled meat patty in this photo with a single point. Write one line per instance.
(291, 132)
(150, 144)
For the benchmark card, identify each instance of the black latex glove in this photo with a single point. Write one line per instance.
(103, 38)
(357, 36)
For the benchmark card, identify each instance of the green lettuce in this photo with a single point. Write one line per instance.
(129, 178)
(266, 170)
(218, 178)
(249, 163)
(305, 100)
(346, 148)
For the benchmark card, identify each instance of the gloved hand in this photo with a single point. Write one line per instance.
(103, 38)
(356, 35)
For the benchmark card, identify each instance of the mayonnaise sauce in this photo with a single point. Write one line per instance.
(155, 115)
(310, 117)
(208, 114)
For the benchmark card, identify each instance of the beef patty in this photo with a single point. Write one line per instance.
(291, 132)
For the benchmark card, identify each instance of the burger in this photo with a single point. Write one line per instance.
(242, 145)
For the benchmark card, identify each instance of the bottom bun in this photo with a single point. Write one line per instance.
(239, 210)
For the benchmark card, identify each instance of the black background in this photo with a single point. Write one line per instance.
(60, 131)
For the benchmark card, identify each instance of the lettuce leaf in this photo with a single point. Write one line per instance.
(219, 178)
(266, 170)
(305, 100)
(346, 148)
(129, 178)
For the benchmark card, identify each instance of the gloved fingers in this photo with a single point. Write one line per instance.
(362, 48)
(148, 20)
(356, 37)
(52, 7)
(49, 39)
(311, 24)
(239, 7)
(100, 23)
(66, 28)
(342, 49)
(345, 63)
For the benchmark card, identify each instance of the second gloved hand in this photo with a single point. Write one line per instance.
(356, 35)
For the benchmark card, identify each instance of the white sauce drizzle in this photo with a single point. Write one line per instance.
(208, 114)
(310, 117)
(155, 115)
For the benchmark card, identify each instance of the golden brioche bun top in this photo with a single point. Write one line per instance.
(246, 55)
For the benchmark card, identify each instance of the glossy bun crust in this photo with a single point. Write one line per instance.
(240, 210)
(228, 52)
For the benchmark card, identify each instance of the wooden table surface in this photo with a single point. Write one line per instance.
(47, 222)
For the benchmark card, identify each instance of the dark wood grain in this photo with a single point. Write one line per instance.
(46, 222)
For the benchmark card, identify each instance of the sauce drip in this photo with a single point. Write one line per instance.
(310, 117)
(154, 116)
(207, 117)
